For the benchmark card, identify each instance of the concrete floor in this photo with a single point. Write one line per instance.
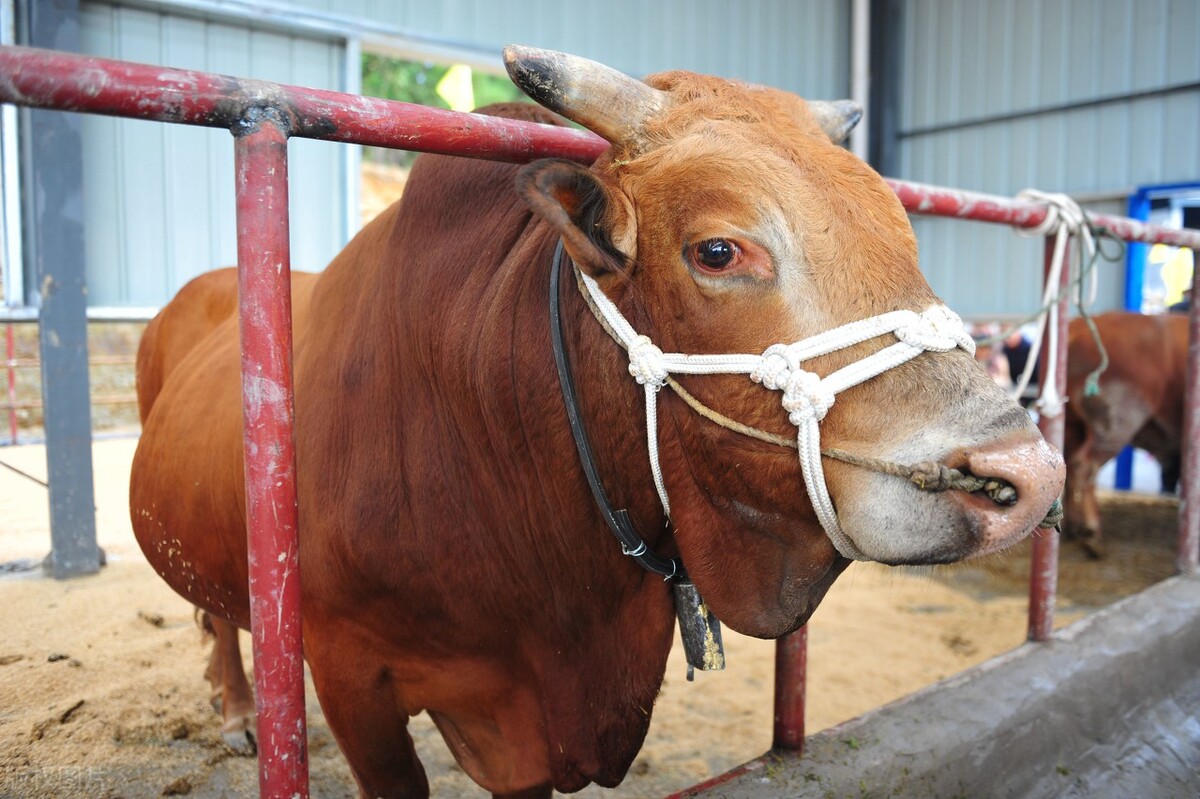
(1108, 709)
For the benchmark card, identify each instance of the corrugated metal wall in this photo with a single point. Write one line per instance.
(159, 199)
(967, 60)
(799, 46)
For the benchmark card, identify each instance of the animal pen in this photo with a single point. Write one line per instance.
(262, 117)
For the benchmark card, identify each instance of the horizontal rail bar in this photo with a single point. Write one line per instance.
(117, 399)
(95, 360)
(72, 82)
(922, 198)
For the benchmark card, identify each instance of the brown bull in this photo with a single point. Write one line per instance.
(452, 557)
(1140, 403)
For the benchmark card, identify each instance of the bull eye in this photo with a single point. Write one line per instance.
(715, 254)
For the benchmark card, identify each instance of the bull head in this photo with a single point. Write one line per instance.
(724, 219)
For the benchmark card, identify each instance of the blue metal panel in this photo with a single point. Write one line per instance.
(53, 178)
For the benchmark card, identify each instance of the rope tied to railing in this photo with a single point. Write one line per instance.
(1064, 219)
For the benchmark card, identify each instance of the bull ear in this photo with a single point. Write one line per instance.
(581, 210)
(836, 118)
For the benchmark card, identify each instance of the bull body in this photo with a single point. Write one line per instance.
(452, 558)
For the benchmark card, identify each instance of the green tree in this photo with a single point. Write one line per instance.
(416, 82)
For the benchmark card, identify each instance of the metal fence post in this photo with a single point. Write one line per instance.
(1043, 572)
(10, 363)
(265, 311)
(1187, 554)
(791, 666)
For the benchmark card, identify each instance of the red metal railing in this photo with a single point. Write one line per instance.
(13, 405)
(262, 116)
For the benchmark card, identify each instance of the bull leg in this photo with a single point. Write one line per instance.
(231, 695)
(1081, 521)
(1170, 473)
(359, 702)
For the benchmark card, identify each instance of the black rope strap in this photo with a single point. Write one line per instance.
(618, 521)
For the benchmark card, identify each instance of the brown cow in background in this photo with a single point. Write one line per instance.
(1140, 402)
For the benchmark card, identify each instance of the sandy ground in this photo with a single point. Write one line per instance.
(101, 693)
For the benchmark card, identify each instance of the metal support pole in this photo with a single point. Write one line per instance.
(265, 311)
(1188, 553)
(791, 667)
(53, 196)
(1043, 573)
(10, 363)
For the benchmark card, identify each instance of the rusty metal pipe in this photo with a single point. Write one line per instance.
(265, 315)
(72, 82)
(1043, 570)
(1187, 554)
(791, 667)
(920, 198)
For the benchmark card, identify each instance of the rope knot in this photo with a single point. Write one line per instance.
(931, 476)
(936, 329)
(775, 367)
(1062, 211)
(806, 397)
(646, 363)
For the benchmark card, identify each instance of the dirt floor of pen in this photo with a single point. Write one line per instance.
(102, 695)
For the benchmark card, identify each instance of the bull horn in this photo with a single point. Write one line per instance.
(836, 118)
(600, 98)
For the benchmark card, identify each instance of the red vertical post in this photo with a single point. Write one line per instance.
(1188, 553)
(265, 310)
(1043, 577)
(791, 671)
(10, 361)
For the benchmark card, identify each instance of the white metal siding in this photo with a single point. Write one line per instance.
(802, 46)
(159, 199)
(971, 59)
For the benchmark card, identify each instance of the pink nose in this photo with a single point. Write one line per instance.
(1035, 470)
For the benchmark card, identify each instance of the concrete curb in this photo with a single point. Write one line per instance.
(1109, 708)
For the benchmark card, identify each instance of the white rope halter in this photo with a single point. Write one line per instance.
(1064, 218)
(807, 396)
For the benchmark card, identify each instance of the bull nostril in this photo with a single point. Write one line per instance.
(1018, 469)
(1004, 493)
(998, 490)
(1023, 477)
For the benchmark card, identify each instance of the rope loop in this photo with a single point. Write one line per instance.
(1062, 211)
(646, 363)
(775, 368)
(806, 397)
(936, 329)
(1064, 219)
(637, 551)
